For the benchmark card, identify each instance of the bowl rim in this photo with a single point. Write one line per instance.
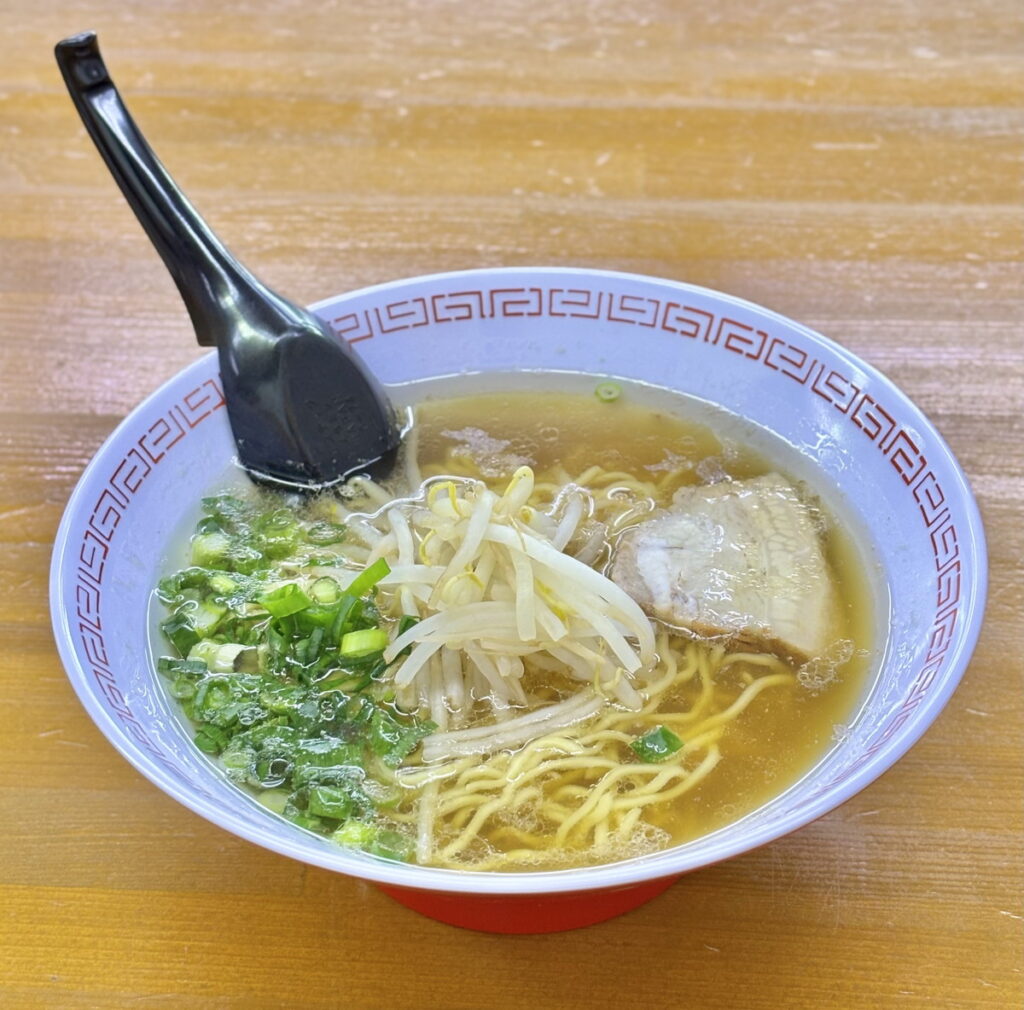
(603, 876)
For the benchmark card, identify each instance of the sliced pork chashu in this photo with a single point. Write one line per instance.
(738, 558)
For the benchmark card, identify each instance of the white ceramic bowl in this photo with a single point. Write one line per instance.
(888, 468)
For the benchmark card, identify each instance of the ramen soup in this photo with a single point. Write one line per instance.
(575, 627)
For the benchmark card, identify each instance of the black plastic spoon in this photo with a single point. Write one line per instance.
(305, 411)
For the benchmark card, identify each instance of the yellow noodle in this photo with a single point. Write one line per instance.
(699, 773)
(524, 838)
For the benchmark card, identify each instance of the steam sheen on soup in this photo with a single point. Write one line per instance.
(574, 627)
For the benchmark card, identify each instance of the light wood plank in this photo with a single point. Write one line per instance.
(856, 166)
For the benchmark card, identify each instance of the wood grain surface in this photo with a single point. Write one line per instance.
(855, 165)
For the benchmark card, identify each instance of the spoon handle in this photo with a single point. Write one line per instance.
(211, 281)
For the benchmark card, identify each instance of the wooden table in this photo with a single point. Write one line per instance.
(855, 165)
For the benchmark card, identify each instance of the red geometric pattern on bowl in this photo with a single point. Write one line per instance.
(150, 449)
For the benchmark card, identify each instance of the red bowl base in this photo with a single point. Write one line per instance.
(528, 913)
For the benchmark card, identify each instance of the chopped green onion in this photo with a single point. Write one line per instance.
(237, 759)
(274, 799)
(608, 392)
(323, 534)
(405, 622)
(354, 834)
(228, 509)
(324, 752)
(281, 680)
(226, 657)
(277, 646)
(357, 644)
(180, 666)
(206, 617)
(180, 633)
(306, 821)
(233, 657)
(347, 606)
(319, 615)
(657, 745)
(315, 643)
(285, 600)
(222, 584)
(210, 548)
(325, 590)
(391, 741)
(211, 739)
(182, 688)
(205, 652)
(391, 845)
(343, 680)
(368, 578)
(328, 801)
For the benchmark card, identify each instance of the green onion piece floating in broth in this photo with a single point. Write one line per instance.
(211, 739)
(355, 834)
(357, 644)
(325, 533)
(390, 845)
(607, 392)
(180, 633)
(329, 801)
(210, 548)
(325, 590)
(285, 600)
(657, 745)
(368, 578)
(165, 664)
(405, 622)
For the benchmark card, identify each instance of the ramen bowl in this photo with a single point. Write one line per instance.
(884, 466)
